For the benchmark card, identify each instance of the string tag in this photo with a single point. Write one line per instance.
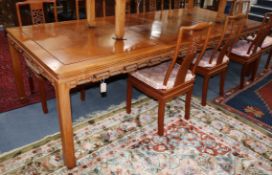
(103, 87)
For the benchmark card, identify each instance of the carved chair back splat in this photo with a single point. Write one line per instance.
(36, 10)
(104, 7)
(240, 6)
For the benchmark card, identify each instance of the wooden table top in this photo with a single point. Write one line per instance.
(67, 49)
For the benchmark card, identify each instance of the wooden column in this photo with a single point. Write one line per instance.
(90, 6)
(221, 8)
(120, 14)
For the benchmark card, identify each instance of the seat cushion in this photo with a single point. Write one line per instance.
(267, 42)
(251, 37)
(154, 76)
(204, 62)
(241, 48)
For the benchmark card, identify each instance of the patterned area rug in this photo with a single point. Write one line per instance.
(254, 102)
(8, 95)
(113, 142)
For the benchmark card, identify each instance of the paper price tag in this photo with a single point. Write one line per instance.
(103, 87)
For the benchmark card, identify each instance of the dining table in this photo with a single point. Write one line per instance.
(72, 53)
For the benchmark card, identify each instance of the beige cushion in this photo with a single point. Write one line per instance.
(154, 76)
(204, 62)
(241, 48)
(267, 42)
(251, 37)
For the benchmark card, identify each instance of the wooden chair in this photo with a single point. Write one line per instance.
(38, 17)
(173, 4)
(150, 5)
(248, 54)
(36, 10)
(267, 44)
(169, 79)
(104, 8)
(77, 3)
(176, 4)
(215, 61)
(240, 6)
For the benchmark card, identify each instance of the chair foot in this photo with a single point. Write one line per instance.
(129, 96)
(161, 110)
(31, 83)
(82, 95)
(205, 91)
(42, 91)
(242, 76)
(268, 60)
(255, 69)
(188, 104)
(222, 82)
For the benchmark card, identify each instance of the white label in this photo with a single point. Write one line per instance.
(103, 87)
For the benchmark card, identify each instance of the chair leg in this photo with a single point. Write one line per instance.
(161, 117)
(42, 91)
(222, 82)
(255, 69)
(188, 104)
(205, 90)
(31, 82)
(129, 96)
(249, 69)
(268, 60)
(82, 94)
(242, 76)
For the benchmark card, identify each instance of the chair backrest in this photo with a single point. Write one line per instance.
(268, 20)
(230, 35)
(240, 6)
(77, 8)
(148, 5)
(196, 39)
(82, 1)
(262, 33)
(176, 4)
(36, 10)
(104, 7)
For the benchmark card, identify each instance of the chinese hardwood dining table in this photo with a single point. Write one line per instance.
(70, 53)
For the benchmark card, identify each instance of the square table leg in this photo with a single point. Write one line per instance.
(17, 70)
(65, 122)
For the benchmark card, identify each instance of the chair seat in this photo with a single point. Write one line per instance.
(154, 76)
(204, 62)
(241, 48)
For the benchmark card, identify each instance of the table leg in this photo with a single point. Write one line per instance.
(65, 122)
(17, 70)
